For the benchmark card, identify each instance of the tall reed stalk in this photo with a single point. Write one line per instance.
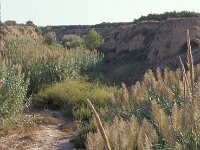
(189, 89)
(99, 124)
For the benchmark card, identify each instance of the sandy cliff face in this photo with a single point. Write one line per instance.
(132, 38)
(16, 30)
(160, 40)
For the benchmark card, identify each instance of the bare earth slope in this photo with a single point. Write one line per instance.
(16, 30)
(53, 133)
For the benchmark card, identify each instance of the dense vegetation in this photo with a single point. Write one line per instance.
(161, 111)
(37, 28)
(12, 94)
(29, 65)
(72, 41)
(168, 15)
(155, 113)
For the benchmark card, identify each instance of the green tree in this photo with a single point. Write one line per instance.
(72, 41)
(30, 23)
(93, 40)
(37, 29)
(50, 38)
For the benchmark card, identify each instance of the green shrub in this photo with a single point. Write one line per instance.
(50, 38)
(93, 40)
(48, 64)
(70, 95)
(13, 90)
(37, 29)
(30, 23)
(82, 133)
(72, 41)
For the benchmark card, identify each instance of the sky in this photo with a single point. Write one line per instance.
(88, 12)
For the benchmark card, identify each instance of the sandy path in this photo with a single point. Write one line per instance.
(53, 133)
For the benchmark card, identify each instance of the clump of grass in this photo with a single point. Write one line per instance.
(71, 96)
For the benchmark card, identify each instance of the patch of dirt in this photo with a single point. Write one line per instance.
(52, 132)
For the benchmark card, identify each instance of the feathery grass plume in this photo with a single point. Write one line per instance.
(189, 86)
(190, 61)
(178, 74)
(152, 78)
(138, 92)
(121, 134)
(162, 121)
(177, 120)
(132, 131)
(128, 133)
(99, 124)
(173, 79)
(181, 88)
(192, 77)
(146, 130)
(147, 145)
(178, 146)
(186, 115)
(148, 83)
(155, 112)
(125, 94)
(122, 137)
(166, 76)
(160, 88)
(94, 141)
(169, 94)
(115, 133)
(185, 83)
(113, 99)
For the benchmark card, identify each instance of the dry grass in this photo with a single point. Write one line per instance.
(100, 126)
(166, 109)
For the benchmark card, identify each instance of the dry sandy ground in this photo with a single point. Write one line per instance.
(52, 132)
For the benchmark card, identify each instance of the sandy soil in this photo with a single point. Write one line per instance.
(52, 132)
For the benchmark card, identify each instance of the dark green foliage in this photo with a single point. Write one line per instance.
(93, 40)
(30, 23)
(167, 15)
(101, 25)
(50, 38)
(13, 90)
(85, 128)
(48, 64)
(37, 29)
(72, 41)
(71, 96)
